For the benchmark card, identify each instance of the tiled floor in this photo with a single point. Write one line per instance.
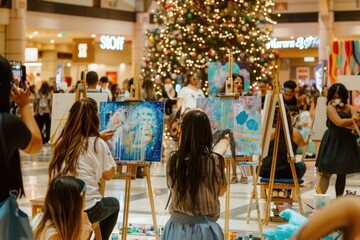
(36, 178)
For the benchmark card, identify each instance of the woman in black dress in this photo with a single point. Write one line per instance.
(339, 153)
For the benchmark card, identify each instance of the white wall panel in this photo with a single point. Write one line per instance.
(88, 3)
(80, 24)
(285, 30)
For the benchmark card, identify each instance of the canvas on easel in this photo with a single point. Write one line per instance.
(137, 141)
(62, 102)
(242, 116)
(268, 125)
(138, 129)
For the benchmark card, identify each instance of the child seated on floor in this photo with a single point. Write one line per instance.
(63, 215)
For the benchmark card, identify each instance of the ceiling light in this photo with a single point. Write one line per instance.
(52, 41)
(93, 35)
(31, 36)
(36, 64)
(59, 35)
(68, 64)
(35, 33)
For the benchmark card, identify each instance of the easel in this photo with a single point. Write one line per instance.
(131, 169)
(276, 97)
(229, 93)
(321, 100)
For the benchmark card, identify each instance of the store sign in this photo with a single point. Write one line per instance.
(31, 54)
(111, 42)
(84, 50)
(300, 43)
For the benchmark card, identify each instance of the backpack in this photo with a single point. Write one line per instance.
(43, 102)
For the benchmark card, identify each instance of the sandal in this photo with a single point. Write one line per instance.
(234, 179)
(243, 180)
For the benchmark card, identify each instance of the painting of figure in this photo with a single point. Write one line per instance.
(242, 116)
(138, 129)
(218, 74)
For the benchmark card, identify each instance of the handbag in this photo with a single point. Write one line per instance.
(175, 126)
(14, 223)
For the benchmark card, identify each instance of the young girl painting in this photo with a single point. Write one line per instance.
(195, 175)
(80, 151)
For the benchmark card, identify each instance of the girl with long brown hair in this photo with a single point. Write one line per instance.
(196, 178)
(81, 152)
(63, 213)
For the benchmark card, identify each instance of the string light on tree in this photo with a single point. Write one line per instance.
(189, 34)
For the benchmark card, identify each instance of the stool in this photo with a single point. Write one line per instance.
(36, 206)
(283, 184)
(96, 225)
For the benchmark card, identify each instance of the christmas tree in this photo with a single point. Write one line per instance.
(189, 34)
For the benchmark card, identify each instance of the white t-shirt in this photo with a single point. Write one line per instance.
(189, 95)
(91, 166)
(49, 229)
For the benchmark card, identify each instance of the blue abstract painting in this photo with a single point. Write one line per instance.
(138, 129)
(242, 116)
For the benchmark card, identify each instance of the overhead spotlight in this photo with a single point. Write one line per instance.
(35, 33)
(93, 35)
(59, 35)
(52, 41)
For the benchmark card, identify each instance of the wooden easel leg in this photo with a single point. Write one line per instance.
(227, 201)
(126, 206)
(297, 187)
(150, 193)
(255, 194)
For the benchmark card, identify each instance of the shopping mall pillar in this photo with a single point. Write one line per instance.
(49, 63)
(15, 33)
(139, 40)
(326, 21)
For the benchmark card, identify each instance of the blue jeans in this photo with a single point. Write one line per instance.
(106, 212)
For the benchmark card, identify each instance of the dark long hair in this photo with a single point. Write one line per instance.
(148, 87)
(82, 123)
(282, 139)
(45, 89)
(190, 164)
(6, 77)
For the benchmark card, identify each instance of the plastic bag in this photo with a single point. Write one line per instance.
(293, 217)
(14, 223)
